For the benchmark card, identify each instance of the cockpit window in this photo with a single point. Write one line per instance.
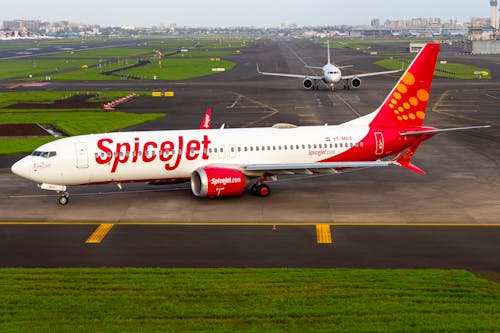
(46, 154)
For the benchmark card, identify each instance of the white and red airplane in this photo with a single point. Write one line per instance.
(223, 162)
(331, 75)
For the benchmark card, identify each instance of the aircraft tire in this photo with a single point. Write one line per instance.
(263, 190)
(63, 200)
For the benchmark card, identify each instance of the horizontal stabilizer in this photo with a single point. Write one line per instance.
(436, 130)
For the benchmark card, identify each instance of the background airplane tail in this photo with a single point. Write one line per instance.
(406, 104)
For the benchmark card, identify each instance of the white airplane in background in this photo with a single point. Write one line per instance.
(223, 162)
(331, 75)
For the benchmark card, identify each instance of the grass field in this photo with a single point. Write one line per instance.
(178, 69)
(13, 97)
(256, 300)
(68, 65)
(72, 121)
(448, 70)
(24, 68)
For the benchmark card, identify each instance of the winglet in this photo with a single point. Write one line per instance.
(205, 123)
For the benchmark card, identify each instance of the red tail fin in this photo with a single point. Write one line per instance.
(205, 123)
(406, 104)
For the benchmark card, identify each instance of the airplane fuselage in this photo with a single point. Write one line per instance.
(331, 74)
(174, 155)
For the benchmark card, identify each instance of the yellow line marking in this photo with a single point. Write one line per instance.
(253, 224)
(323, 234)
(99, 234)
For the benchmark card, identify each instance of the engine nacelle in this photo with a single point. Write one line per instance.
(217, 182)
(307, 84)
(356, 82)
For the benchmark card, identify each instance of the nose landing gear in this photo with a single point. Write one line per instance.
(63, 198)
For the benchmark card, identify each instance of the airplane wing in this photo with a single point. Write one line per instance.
(301, 76)
(310, 168)
(348, 77)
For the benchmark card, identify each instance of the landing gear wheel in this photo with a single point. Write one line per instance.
(63, 200)
(262, 190)
(254, 189)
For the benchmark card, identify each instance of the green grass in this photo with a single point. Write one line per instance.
(205, 54)
(178, 69)
(68, 65)
(104, 53)
(72, 123)
(76, 123)
(22, 145)
(448, 70)
(256, 300)
(25, 68)
(13, 97)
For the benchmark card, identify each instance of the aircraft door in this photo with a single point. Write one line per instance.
(82, 156)
(379, 143)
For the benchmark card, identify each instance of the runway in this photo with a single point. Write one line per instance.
(461, 185)
(242, 245)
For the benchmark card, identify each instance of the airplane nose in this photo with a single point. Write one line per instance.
(21, 168)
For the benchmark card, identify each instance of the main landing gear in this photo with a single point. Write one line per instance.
(261, 190)
(63, 198)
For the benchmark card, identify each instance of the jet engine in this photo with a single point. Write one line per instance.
(217, 182)
(307, 84)
(356, 82)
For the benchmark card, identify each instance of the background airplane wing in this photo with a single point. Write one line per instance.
(301, 76)
(348, 77)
